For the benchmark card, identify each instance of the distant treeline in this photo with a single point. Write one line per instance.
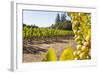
(30, 26)
(60, 23)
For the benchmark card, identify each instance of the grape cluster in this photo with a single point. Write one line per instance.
(81, 25)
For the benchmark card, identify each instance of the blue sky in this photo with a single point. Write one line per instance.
(40, 18)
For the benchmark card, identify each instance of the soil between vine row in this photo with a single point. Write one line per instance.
(35, 51)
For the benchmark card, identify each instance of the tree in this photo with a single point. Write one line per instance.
(34, 26)
(63, 17)
(62, 23)
(58, 18)
(67, 25)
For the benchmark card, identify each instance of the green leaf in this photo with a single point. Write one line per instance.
(51, 55)
(67, 54)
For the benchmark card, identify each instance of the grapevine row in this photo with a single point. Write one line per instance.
(44, 32)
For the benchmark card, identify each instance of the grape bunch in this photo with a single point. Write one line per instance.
(81, 26)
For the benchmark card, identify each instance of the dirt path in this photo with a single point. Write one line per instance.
(57, 46)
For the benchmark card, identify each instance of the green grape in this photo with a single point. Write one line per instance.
(87, 38)
(76, 57)
(85, 49)
(79, 52)
(86, 44)
(78, 47)
(82, 55)
(79, 32)
(75, 53)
